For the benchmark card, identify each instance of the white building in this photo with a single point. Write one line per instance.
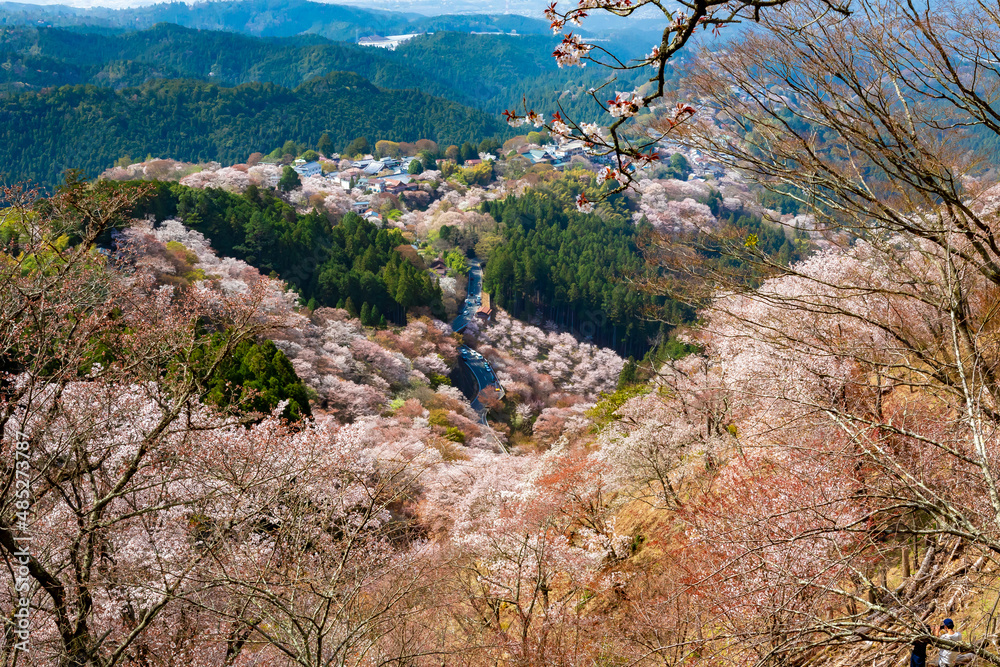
(308, 169)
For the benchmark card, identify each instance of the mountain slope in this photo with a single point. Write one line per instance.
(490, 72)
(266, 18)
(87, 127)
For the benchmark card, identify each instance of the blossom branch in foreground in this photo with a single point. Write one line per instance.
(629, 148)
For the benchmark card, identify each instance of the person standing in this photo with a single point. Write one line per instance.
(948, 632)
(918, 654)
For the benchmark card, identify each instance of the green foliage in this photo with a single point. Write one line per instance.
(490, 146)
(676, 167)
(256, 377)
(352, 262)
(415, 168)
(198, 122)
(679, 167)
(481, 174)
(629, 373)
(603, 413)
(325, 145)
(467, 152)
(780, 200)
(438, 418)
(437, 380)
(455, 434)
(289, 179)
(358, 146)
(310, 156)
(670, 349)
(569, 267)
(291, 148)
(457, 262)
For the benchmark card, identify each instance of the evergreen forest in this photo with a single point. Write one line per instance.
(351, 264)
(88, 128)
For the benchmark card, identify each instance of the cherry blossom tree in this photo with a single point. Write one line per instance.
(532, 536)
(519, 351)
(102, 372)
(627, 147)
(160, 530)
(676, 435)
(866, 435)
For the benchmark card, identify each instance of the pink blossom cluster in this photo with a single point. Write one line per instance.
(233, 179)
(355, 371)
(215, 516)
(146, 246)
(573, 366)
(670, 215)
(566, 422)
(661, 442)
(570, 51)
(316, 189)
(625, 104)
(150, 170)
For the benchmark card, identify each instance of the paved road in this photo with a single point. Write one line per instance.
(485, 377)
(475, 292)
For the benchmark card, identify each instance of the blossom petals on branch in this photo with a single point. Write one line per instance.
(625, 105)
(570, 51)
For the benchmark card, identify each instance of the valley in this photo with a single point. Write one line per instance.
(399, 334)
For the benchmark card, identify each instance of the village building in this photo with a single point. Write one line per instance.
(308, 169)
(439, 267)
(485, 312)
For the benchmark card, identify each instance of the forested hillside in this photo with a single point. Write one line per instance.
(352, 264)
(572, 268)
(268, 18)
(88, 128)
(490, 72)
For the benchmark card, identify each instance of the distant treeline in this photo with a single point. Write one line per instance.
(89, 128)
(266, 18)
(489, 72)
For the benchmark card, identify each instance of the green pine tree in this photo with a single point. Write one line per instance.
(325, 145)
(289, 180)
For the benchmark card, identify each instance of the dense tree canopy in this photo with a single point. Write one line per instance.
(571, 267)
(490, 72)
(348, 265)
(89, 128)
(256, 376)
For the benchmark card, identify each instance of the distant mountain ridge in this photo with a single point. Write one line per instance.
(88, 127)
(265, 18)
(490, 72)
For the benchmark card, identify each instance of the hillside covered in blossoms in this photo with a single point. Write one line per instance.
(695, 366)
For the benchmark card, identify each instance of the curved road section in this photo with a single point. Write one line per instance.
(486, 379)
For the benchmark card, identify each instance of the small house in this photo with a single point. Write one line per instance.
(439, 267)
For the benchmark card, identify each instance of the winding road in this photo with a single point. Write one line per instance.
(475, 362)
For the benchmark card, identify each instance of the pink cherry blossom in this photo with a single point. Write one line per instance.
(571, 50)
(625, 105)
